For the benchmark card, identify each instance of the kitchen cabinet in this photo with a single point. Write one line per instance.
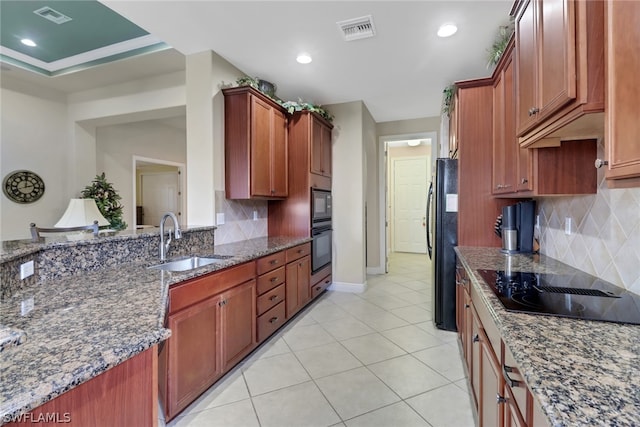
(559, 70)
(622, 126)
(309, 136)
(320, 146)
(298, 278)
(453, 127)
(271, 298)
(255, 145)
(499, 392)
(320, 280)
(530, 172)
(212, 322)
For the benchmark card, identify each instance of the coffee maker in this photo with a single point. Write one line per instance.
(517, 227)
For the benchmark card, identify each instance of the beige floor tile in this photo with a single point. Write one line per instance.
(356, 392)
(239, 414)
(389, 302)
(299, 405)
(444, 359)
(346, 328)
(372, 348)
(327, 360)
(411, 338)
(407, 376)
(230, 389)
(441, 334)
(382, 321)
(430, 406)
(327, 312)
(265, 375)
(398, 414)
(412, 314)
(308, 336)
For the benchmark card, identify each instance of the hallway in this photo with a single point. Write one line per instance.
(370, 359)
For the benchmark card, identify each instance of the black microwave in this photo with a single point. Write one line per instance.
(320, 206)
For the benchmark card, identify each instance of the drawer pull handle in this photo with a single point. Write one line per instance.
(273, 262)
(300, 251)
(318, 288)
(600, 163)
(273, 297)
(505, 373)
(476, 338)
(500, 399)
(327, 282)
(273, 319)
(273, 279)
(467, 306)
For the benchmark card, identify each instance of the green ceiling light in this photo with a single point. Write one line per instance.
(28, 42)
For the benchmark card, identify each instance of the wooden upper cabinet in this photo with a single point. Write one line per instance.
(255, 146)
(453, 127)
(559, 70)
(622, 136)
(320, 147)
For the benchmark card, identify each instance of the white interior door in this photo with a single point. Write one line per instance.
(160, 194)
(409, 204)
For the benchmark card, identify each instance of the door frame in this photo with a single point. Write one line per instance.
(181, 182)
(383, 190)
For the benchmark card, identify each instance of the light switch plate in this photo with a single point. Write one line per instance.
(567, 225)
(220, 218)
(26, 270)
(26, 306)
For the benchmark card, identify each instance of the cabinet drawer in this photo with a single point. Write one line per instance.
(270, 280)
(270, 321)
(270, 262)
(486, 321)
(320, 286)
(298, 252)
(271, 298)
(187, 293)
(514, 380)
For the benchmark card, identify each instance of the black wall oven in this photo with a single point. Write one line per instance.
(320, 229)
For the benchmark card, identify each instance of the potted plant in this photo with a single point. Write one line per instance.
(107, 199)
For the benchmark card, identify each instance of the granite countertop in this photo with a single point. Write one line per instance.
(82, 325)
(581, 372)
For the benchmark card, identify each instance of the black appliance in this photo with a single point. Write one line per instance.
(320, 206)
(517, 227)
(579, 295)
(321, 229)
(442, 237)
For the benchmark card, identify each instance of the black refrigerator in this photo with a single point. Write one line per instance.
(442, 237)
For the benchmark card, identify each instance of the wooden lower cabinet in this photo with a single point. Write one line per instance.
(237, 323)
(490, 411)
(297, 284)
(125, 395)
(512, 415)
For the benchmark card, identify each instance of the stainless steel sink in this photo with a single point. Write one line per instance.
(189, 263)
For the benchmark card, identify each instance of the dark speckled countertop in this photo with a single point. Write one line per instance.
(583, 373)
(84, 324)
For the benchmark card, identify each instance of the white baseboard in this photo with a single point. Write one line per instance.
(355, 288)
(376, 270)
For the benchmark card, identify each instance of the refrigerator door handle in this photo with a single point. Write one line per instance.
(429, 201)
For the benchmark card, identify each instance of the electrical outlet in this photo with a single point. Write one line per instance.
(220, 218)
(537, 221)
(567, 225)
(255, 215)
(26, 306)
(26, 270)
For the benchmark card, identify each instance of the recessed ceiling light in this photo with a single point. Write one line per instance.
(413, 142)
(447, 30)
(28, 42)
(304, 58)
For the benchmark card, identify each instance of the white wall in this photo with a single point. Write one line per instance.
(33, 137)
(117, 144)
(348, 197)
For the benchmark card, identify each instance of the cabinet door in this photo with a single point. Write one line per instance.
(316, 146)
(512, 415)
(192, 354)
(525, 169)
(557, 55)
(453, 128)
(326, 151)
(622, 127)
(237, 323)
(505, 144)
(475, 353)
(491, 394)
(297, 285)
(261, 137)
(526, 64)
(279, 158)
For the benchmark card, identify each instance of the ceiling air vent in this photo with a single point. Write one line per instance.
(358, 28)
(52, 15)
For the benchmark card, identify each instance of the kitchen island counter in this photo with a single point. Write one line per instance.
(581, 372)
(84, 324)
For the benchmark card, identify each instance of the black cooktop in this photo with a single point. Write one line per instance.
(578, 295)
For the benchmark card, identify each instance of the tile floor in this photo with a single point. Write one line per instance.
(369, 359)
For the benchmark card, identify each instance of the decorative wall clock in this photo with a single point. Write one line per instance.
(23, 186)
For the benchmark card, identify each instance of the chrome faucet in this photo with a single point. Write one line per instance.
(177, 233)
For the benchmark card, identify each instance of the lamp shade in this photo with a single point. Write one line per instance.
(81, 212)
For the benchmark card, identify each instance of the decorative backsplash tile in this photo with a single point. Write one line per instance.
(239, 223)
(605, 232)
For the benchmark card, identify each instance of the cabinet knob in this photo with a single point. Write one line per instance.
(524, 180)
(467, 306)
(318, 288)
(499, 186)
(273, 320)
(273, 262)
(273, 279)
(533, 110)
(273, 191)
(476, 338)
(599, 163)
(273, 298)
(500, 399)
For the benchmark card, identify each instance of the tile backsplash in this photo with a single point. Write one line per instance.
(605, 232)
(239, 223)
